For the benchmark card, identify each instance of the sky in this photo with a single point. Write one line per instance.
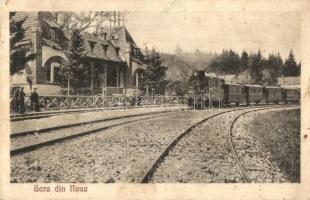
(271, 32)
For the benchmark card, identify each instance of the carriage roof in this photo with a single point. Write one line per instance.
(233, 84)
(256, 86)
(272, 87)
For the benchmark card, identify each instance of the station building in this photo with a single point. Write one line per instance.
(114, 59)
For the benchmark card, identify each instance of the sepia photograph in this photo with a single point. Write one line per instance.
(165, 96)
(79, 81)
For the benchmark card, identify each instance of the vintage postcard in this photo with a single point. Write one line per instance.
(137, 99)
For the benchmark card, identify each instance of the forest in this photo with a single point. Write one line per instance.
(261, 70)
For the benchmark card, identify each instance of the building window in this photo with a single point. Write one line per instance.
(105, 48)
(139, 78)
(111, 76)
(53, 75)
(117, 51)
(92, 45)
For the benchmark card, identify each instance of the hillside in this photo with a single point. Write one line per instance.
(180, 67)
(178, 70)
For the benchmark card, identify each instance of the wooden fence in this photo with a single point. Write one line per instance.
(77, 102)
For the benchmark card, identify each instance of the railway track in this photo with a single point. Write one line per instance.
(153, 167)
(242, 168)
(23, 142)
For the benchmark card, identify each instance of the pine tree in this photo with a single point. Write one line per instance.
(228, 62)
(299, 69)
(178, 51)
(155, 74)
(233, 62)
(256, 67)
(75, 70)
(274, 66)
(244, 61)
(20, 49)
(290, 67)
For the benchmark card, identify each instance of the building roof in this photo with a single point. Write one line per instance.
(124, 40)
(51, 43)
(240, 79)
(288, 80)
(290, 86)
(51, 24)
(98, 52)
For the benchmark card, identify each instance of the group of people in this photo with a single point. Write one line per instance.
(19, 100)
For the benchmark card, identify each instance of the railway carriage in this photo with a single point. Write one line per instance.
(290, 95)
(272, 94)
(207, 90)
(234, 93)
(254, 93)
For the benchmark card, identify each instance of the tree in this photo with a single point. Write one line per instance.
(274, 66)
(299, 68)
(244, 61)
(256, 67)
(178, 51)
(290, 67)
(155, 74)
(20, 48)
(75, 70)
(228, 62)
(233, 63)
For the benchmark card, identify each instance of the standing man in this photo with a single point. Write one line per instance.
(15, 99)
(21, 99)
(34, 98)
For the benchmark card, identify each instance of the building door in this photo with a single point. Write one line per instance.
(55, 67)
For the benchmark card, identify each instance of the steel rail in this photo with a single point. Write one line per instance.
(31, 147)
(151, 170)
(23, 133)
(242, 169)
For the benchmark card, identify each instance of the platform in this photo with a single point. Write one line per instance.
(32, 125)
